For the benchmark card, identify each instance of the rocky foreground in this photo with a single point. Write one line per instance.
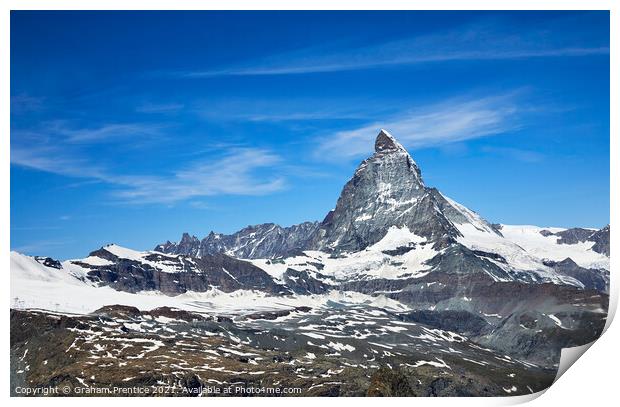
(357, 351)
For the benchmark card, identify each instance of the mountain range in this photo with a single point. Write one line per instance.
(392, 252)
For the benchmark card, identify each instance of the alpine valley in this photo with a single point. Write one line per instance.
(399, 291)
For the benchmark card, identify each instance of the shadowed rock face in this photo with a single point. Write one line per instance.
(601, 241)
(386, 191)
(386, 143)
(463, 322)
(528, 321)
(49, 262)
(573, 236)
(594, 279)
(300, 282)
(195, 274)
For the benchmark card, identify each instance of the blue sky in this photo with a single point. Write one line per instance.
(133, 127)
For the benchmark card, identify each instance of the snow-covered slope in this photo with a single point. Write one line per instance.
(167, 263)
(34, 285)
(517, 259)
(465, 216)
(525, 247)
(540, 246)
(400, 254)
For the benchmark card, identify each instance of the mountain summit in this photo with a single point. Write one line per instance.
(386, 191)
(386, 142)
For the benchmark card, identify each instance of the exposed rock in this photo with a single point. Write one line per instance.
(191, 274)
(601, 241)
(573, 236)
(147, 354)
(400, 250)
(267, 240)
(49, 262)
(271, 315)
(388, 382)
(594, 279)
(174, 313)
(462, 322)
(578, 235)
(386, 191)
(118, 311)
(303, 283)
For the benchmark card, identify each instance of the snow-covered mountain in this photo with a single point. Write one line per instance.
(386, 225)
(386, 198)
(391, 242)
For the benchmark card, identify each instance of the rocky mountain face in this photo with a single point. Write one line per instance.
(601, 241)
(594, 279)
(174, 275)
(386, 191)
(386, 199)
(48, 262)
(579, 235)
(266, 240)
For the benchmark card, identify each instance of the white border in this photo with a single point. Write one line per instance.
(594, 379)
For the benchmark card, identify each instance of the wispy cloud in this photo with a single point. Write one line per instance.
(470, 44)
(442, 123)
(54, 159)
(234, 173)
(518, 154)
(160, 107)
(294, 109)
(71, 151)
(25, 103)
(41, 246)
(104, 134)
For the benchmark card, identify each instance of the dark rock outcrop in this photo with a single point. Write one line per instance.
(301, 282)
(118, 311)
(601, 241)
(594, 279)
(189, 274)
(573, 235)
(49, 262)
(462, 322)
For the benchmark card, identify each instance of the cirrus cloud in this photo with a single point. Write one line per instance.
(438, 124)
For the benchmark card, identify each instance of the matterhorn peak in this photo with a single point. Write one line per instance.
(386, 145)
(385, 142)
